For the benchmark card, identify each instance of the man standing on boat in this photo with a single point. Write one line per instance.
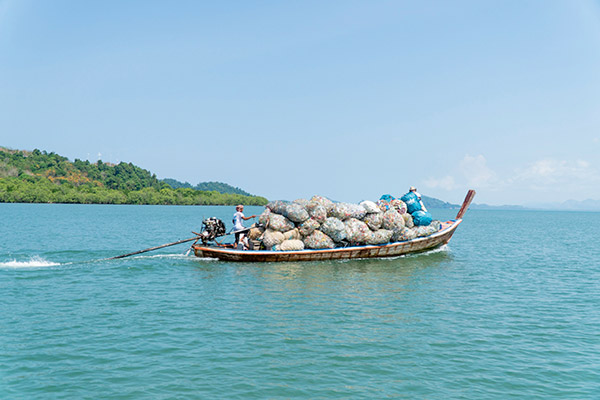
(238, 225)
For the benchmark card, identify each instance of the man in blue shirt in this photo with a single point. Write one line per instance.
(416, 208)
(414, 190)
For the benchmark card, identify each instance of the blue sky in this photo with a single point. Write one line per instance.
(348, 99)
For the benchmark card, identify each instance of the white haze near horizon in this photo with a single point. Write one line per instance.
(350, 100)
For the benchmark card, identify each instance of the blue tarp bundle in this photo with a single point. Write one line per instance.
(421, 217)
(387, 197)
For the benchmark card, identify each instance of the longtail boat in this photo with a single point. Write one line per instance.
(416, 245)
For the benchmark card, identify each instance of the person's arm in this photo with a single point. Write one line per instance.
(247, 218)
(421, 202)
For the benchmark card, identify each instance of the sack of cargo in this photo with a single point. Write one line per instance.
(317, 211)
(279, 223)
(357, 211)
(293, 234)
(290, 245)
(399, 205)
(334, 228)
(370, 206)
(374, 220)
(412, 202)
(263, 219)
(357, 231)
(380, 236)
(392, 220)
(340, 211)
(277, 206)
(318, 240)
(425, 230)
(433, 228)
(387, 198)
(295, 212)
(255, 233)
(383, 205)
(421, 218)
(403, 234)
(421, 231)
(308, 226)
(408, 220)
(325, 202)
(272, 238)
(343, 211)
(436, 224)
(302, 202)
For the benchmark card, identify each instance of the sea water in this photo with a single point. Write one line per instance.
(509, 309)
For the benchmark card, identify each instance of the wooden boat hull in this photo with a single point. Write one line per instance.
(373, 251)
(421, 244)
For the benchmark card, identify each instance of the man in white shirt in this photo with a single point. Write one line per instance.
(238, 225)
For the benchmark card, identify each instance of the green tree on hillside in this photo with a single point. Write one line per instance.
(41, 177)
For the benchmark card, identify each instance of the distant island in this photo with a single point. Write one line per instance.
(206, 186)
(431, 202)
(40, 177)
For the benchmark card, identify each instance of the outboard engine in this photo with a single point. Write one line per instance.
(212, 228)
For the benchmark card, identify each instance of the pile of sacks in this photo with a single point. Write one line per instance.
(319, 223)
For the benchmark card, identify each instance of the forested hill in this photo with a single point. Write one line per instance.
(216, 186)
(41, 177)
(431, 202)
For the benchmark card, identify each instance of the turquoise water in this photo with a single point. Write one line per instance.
(509, 309)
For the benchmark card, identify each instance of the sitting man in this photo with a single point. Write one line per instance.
(416, 208)
(418, 195)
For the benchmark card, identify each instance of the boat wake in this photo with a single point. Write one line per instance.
(441, 249)
(33, 262)
(172, 255)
